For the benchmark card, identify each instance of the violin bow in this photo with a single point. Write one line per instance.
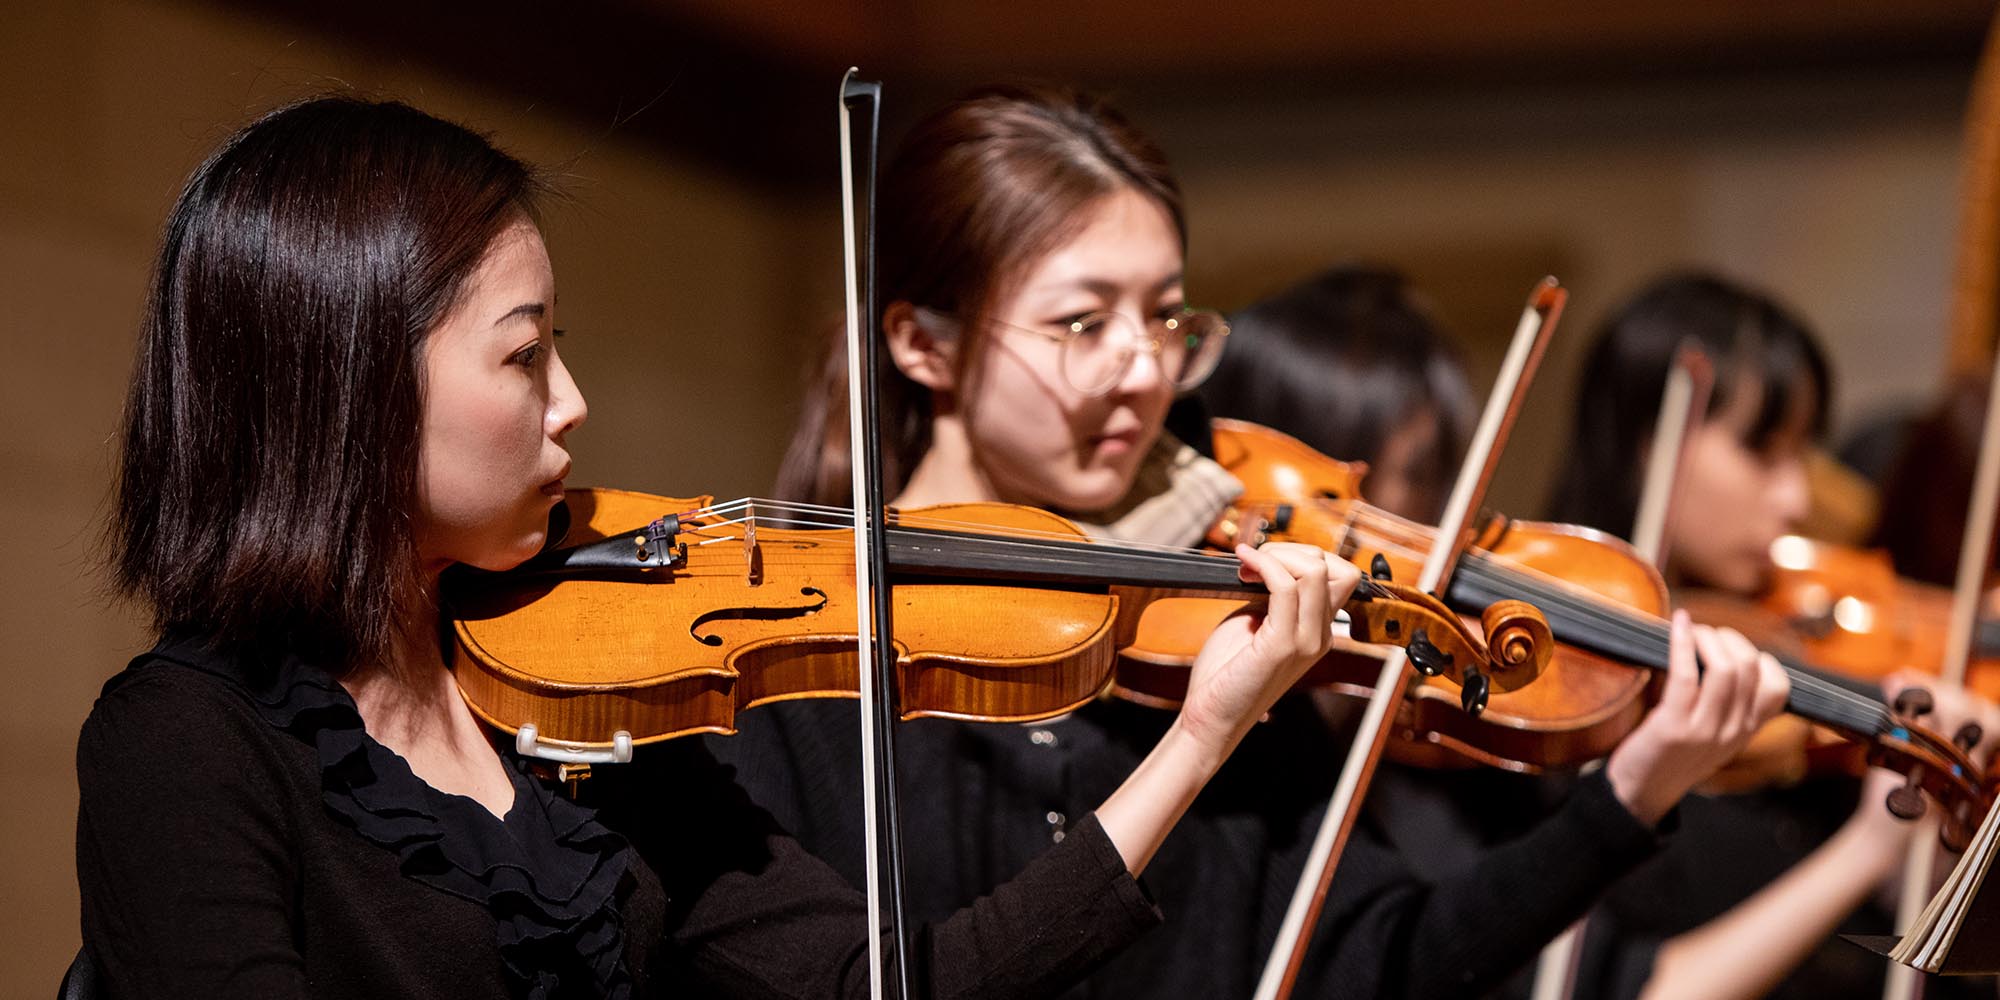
(1524, 355)
(1683, 402)
(1972, 315)
(875, 626)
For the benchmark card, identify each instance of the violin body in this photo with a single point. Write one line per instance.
(761, 616)
(1580, 705)
(1852, 612)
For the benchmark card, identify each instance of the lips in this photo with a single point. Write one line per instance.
(1116, 442)
(554, 487)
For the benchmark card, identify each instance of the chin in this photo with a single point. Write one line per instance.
(503, 556)
(1091, 493)
(1745, 579)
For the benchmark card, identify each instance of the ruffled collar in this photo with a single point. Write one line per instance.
(550, 874)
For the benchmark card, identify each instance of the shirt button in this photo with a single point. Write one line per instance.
(1056, 821)
(1042, 738)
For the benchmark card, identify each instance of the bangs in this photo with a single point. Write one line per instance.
(1773, 356)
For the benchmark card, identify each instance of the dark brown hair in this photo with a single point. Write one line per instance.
(977, 191)
(1340, 361)
(269, 466)
(1753, 342)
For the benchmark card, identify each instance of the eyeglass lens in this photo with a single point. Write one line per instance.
(1101, 347)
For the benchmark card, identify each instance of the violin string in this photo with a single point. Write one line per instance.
(1810, 694)
(819, 516)
(839, 518)
(1106, 557)
(1037, 540)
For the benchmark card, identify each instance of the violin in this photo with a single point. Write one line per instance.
(1605, 605)
(1852, 613)
(1845, 610)
(647, 627)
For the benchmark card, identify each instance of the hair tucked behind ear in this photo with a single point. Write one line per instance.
(269, 465)
(978, 191)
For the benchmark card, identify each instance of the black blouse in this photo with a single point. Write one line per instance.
(980, 801)
(239, 834)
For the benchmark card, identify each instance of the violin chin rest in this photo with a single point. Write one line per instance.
(559, 521)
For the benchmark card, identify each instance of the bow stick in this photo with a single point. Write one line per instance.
(1524, 355)
(875, 626)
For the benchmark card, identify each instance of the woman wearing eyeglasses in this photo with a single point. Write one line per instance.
(1031, 248)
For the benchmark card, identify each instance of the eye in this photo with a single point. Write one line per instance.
(1087, 324)
(527, 357)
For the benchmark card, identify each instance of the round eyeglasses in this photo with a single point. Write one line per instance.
(1098, 349)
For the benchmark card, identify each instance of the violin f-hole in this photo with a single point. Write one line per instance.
(759, 614)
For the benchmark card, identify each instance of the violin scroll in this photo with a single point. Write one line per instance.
(1516, 647)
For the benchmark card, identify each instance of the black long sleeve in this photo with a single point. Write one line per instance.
(210, 864)
(754, 914)
(982, 801)
(1464, 934)
(186, 845)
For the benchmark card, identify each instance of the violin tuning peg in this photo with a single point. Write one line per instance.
(1281, 518)
(1906, 802)
(1472, 697)
(1429, 660)
(1968, 736)
(1378, 567)
(1912, 702)
(1955, 837)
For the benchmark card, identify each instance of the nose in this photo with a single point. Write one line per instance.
(1143, 371)
(566, 410)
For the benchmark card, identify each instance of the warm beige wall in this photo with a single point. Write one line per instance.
(687, 291)
(676, 284)
(1838, 196)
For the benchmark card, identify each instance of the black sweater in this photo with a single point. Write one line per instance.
(981, 801)
(239, 835)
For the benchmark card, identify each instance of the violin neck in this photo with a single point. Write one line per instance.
(1594, 624)
(929, 552)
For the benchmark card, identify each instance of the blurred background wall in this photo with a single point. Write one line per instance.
(1810, 151)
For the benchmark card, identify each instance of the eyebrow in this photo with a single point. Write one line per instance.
(532, 310)
(1106, 288)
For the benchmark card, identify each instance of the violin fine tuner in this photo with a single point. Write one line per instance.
(655, 546)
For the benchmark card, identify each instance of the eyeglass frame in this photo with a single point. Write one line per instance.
(1155, 343)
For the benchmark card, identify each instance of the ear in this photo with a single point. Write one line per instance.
(928, 356)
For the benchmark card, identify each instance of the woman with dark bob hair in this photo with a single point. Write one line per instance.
(347, 382)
